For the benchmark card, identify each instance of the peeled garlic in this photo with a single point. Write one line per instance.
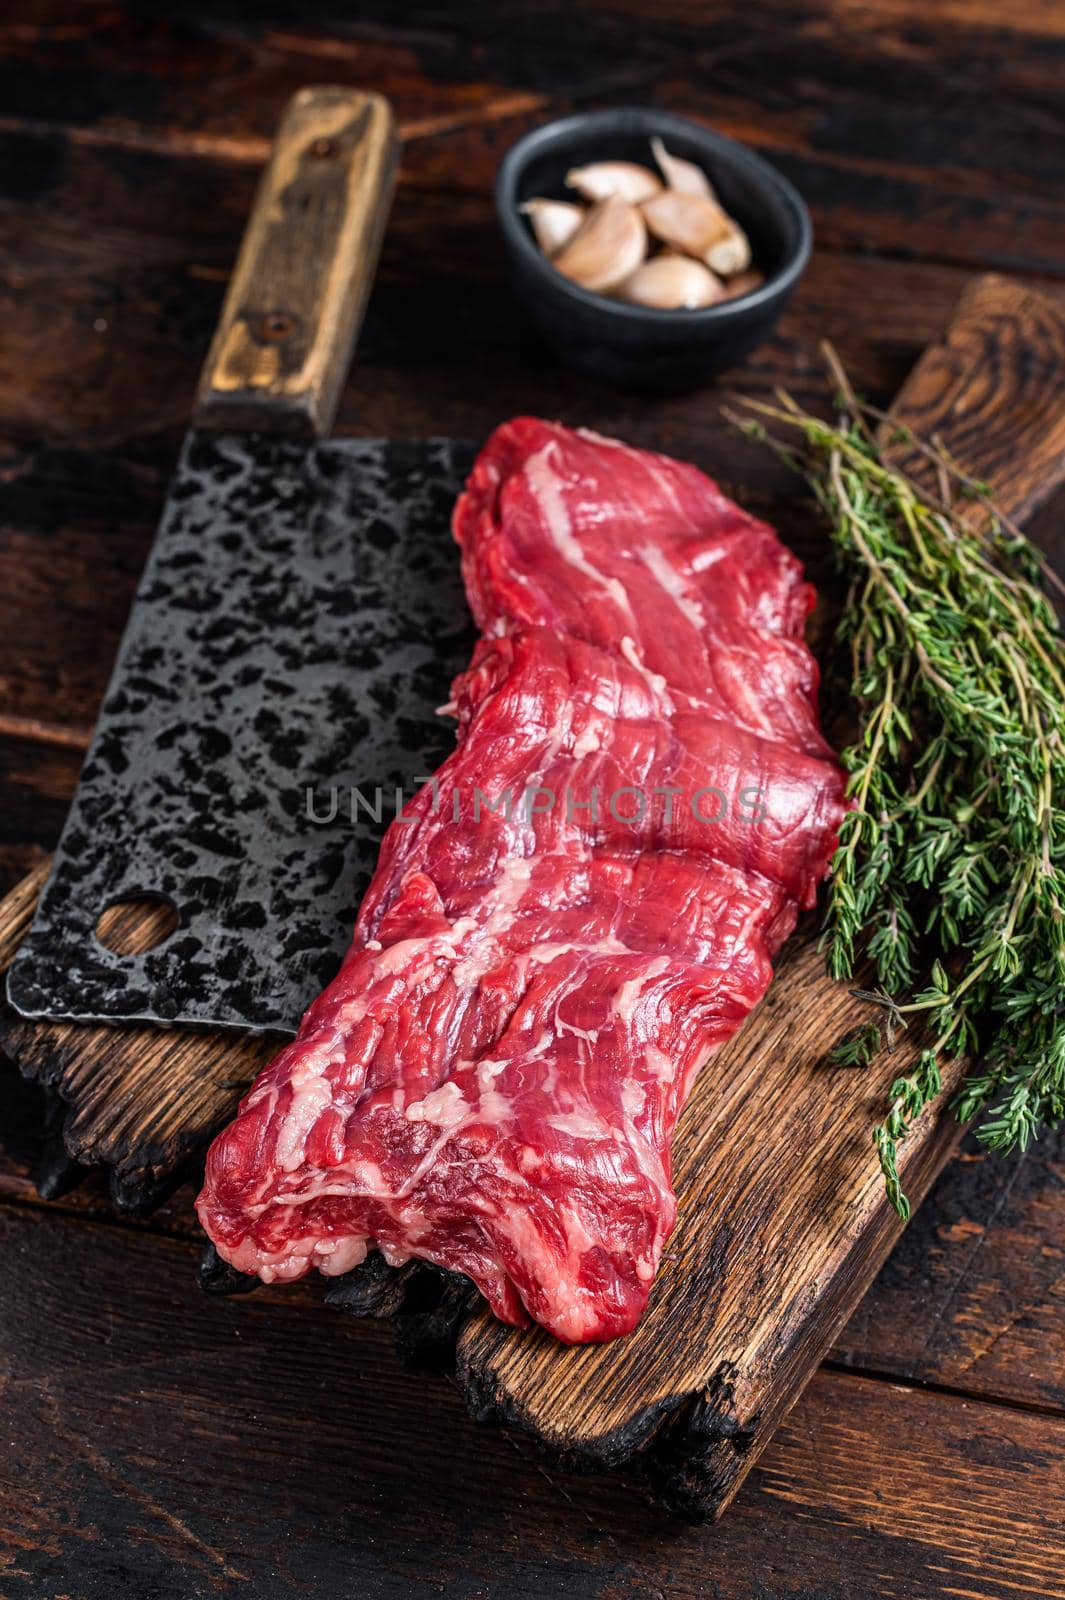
(698, 227)
(684, 177)
(744, 283)
(621, 180)
(732, 254)
(554, 222)
(672, 283)
(607, 247)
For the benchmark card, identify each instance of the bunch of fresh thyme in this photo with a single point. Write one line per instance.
(950, 871)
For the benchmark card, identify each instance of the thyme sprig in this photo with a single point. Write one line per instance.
(950, 870)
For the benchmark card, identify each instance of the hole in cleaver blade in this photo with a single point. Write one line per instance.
(136, 924)
(297, 626)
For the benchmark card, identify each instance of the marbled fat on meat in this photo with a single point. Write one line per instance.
(492, 1080)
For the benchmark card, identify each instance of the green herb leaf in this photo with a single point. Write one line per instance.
(952, 862)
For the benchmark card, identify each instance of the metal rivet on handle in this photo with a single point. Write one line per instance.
(275, 326)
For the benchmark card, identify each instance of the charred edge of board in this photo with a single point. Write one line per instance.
(691, 1465)
(683, 1447)
(216, 1276)
(426, 1305)
(138, 1191)
(55, 1172)
(373, 1289)
(141, 1182)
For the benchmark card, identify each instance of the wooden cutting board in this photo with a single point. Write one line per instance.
(783, 1220)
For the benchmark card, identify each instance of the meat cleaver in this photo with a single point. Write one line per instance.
(297, 625)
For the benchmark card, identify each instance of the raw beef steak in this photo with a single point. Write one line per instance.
(584, 906)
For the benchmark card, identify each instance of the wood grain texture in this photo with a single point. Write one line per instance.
(855, 92)
(175, 1445)
(782, 1224)
(37, 782)
(928, 141)
(776, 1240)
(296, 299)
(126, 245)
(783, 1219)
(122, 258)
(973, 1298)
(1008, 428)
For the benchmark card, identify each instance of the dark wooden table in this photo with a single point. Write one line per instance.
(158, 1443)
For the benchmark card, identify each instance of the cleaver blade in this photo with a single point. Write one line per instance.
(273, 701)
(298, 622)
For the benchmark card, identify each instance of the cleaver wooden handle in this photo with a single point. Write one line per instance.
(296, 299)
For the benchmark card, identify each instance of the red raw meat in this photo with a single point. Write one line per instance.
(492, 1080)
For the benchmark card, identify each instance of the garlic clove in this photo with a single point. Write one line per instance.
(682, 176)
(744, 283)
(622, 180)
(607, 247)
(697, 226)
(671, 283)
(553, 222)
(732, 254)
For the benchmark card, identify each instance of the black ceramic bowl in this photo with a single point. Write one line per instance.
(637, 346)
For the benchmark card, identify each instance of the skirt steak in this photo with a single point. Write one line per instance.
(577, 910)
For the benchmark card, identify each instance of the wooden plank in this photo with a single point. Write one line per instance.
(120, 258)
(814, 67)
(858, 200)
(195, 80)
(973, 1535)
(37, 782)
(174, 1444)
(782, 1217)
(973, 1298)
(77, 517)
(856, 106)
(1042, 19)
(779, 1237)
(1013, 422)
